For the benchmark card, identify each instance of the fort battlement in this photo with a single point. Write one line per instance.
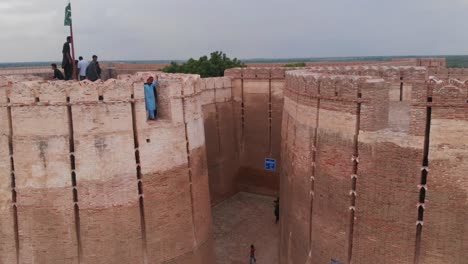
(362, 173)
(371, 161)
(91, 178)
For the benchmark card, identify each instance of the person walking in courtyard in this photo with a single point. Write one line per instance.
(252, 254)
(58, 75)
(277, 210)
(150, 97)
(82, 66)
(93, 71)
(67, 61)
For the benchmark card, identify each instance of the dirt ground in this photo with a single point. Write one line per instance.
(242, 220)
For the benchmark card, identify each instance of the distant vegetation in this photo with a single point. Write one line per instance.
(212, 67)
(295, 64)
(457, 61)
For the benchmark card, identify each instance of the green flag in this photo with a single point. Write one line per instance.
(68, 15)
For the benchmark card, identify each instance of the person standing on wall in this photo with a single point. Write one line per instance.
(252, 254)
(93, 71)
(82, 66)
(150, 97)
(58, 75)
(67, 61)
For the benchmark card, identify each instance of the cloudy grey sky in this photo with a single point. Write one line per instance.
(32, 30)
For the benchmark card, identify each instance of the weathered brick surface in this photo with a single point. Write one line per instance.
(221, 137)
(225, 124)
(177, 206)
(286, 188)
(299, 178)
(42, 173)
(222, 150)
(7, 243)
(444, 236)
(375, 111)
(168, 214)
(387, 195)
(388, 174)
(256, 124)
(107, 186)
(330, 216)
(228, 145)
(399, 116)
(385, 209)
(201, 195)
(106, 176)
(277, 105)
(176, 192)
(199, 177)
(258, 181)
(256, 141)
(237, 95)
(213, 151)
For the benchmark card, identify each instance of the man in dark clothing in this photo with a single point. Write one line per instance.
(67, 62)
(252, 255)
(58, 75)
(93, 72)
(277, 209)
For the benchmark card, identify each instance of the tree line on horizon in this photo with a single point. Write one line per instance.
(214, 66)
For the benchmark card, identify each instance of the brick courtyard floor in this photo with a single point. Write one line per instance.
(242, 220)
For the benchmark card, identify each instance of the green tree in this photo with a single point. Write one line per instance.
(212, 67)
(295, 64)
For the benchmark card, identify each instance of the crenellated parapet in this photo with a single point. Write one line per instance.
(85, 161)
(369, 156)
(368, 169)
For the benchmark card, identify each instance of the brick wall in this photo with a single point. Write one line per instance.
(257, 92)
(334, 206)
(221, 137)
(443, 238)
(86, 151)
(7, 231)
(349, 140)
(258, 103)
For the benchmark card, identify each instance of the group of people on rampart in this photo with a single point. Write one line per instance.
(92, 71)
(85, 70)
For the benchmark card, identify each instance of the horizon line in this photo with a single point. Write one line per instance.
(300, 59)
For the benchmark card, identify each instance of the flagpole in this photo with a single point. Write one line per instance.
(73, 50)
(69, 22)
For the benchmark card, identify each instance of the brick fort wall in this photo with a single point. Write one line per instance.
(85, 177)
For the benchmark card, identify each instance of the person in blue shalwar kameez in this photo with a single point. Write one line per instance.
(150, 97)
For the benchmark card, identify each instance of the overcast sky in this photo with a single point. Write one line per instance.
(32, 30)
